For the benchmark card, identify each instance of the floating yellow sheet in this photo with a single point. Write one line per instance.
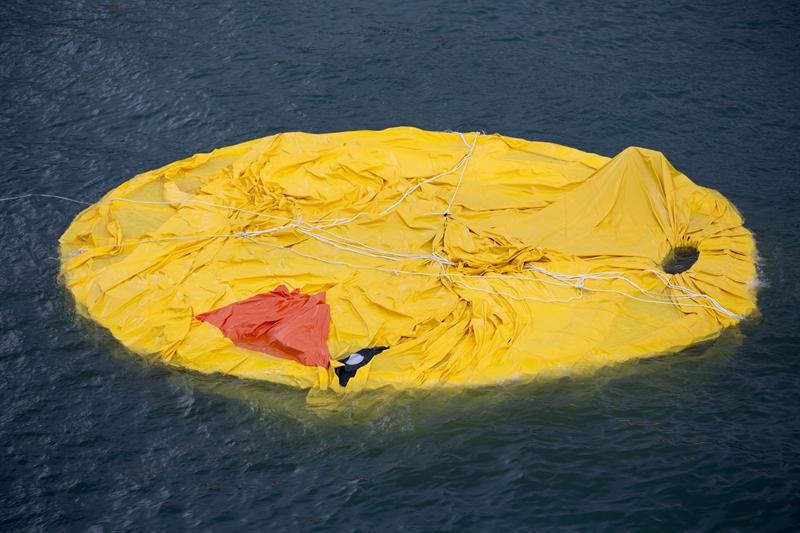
(477, 259)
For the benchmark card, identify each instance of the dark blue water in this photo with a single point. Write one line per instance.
(92, 437)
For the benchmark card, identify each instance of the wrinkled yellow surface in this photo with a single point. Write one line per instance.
(144, 270)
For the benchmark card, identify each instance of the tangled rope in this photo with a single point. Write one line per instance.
(318, 230)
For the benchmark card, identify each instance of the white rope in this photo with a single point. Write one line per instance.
(41, 195)
(521, 298)
(196, 202)
(381, 254)
(322, 224)
(602, 276)
(364, 249)
(451, 275)
(125, 244)
(329, 223)
(463, 169)
(460, 164)
(463, 139)
(341, 263)
(692, 294)
(669, 299)
(146, 202)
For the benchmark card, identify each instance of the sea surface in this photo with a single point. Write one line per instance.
(95, 438)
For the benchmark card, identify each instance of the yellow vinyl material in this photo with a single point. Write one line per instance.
(478, 259)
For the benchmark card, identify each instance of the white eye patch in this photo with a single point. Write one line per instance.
(354, 359)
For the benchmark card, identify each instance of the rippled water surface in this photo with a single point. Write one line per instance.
(92, 93)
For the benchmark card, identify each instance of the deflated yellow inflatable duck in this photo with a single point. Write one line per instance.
(409, 259)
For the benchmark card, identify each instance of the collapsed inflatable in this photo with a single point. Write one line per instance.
(409, 259)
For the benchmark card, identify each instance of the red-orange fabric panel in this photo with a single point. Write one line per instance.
(285, 324)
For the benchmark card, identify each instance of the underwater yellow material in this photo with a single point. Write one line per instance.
(477, 259)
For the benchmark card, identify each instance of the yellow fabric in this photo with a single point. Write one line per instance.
(482, 301)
